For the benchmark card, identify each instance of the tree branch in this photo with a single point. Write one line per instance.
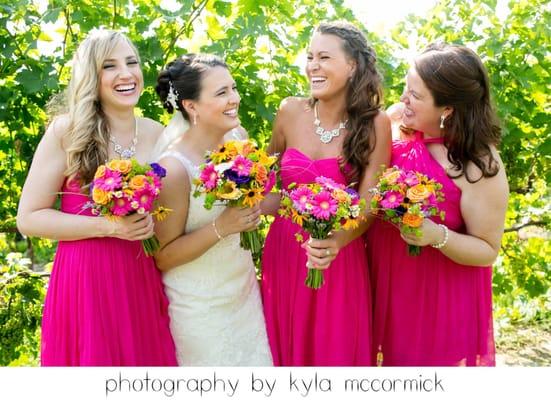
(516, 228)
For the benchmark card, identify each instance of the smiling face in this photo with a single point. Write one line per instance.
(121, 79)
(218, 101)
(328, 68)
(420, 113)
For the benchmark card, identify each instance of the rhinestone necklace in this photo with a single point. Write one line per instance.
(129, 152)
(326, 135)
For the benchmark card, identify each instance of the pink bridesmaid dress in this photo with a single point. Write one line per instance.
(428, 309)
(330, 326)
(105, 304)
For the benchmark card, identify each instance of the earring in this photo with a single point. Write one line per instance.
(194, 119)
(442, 119)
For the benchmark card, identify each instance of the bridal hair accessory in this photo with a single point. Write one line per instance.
(172, 97)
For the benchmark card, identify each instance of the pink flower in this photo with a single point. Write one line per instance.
(270, 182)
(301, 196)
(410, 178)
(155, 178)
(121, 206)
(242, 166)
(209, 177)
(392, 200)
(324, 206)
(110, 181)
(329, 183)
(144, 198)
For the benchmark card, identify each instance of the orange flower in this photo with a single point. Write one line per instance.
(261, 173)
(412, 220)
(100, 172)
(390, 176)
(138, 182)
(418, 193)
(101, 196)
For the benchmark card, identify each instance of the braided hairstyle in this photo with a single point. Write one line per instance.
(185, 73)
(364, 96)
(456, 77)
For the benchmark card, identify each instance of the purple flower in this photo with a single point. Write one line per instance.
(234, 176)
(159, 171)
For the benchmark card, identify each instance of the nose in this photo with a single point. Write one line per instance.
(404, 98)
(235, 98)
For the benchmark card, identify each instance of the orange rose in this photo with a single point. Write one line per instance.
(391, 177)
(125, 166)
(100, 172)
(261, 173)
(100, 196)
(418, 193)
(412, 220)
(138, 182)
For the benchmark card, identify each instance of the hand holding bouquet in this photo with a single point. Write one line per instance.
(239, 174)
(405, 198)
(124, 187)
(320, 208)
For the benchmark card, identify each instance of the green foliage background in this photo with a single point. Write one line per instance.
(263, 41)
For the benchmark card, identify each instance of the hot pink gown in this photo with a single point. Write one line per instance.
(105, 304)
(428, 310)
(330, 326)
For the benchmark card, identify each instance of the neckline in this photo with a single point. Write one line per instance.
(310, 158)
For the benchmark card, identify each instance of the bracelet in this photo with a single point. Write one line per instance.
(445, 240)
(220, 237)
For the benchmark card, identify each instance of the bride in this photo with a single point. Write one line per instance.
(215, 305)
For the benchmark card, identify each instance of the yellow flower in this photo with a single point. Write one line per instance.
(101, 196)
(296, 217)
(340, 195)
(229, 191)
(138, 182)
(350, 223)
(412, 220)
(100, 172)
(418, 193)
(252, 197)
(161, 213)
(390, 176)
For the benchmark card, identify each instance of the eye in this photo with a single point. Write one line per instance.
(325, 57)
(133, 62)
(108, 66)
(309, 57)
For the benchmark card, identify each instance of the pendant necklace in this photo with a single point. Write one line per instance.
(326, 135)
(129, 152)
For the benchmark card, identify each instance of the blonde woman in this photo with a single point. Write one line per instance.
(105, 304)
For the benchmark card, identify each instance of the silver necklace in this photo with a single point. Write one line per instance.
(326, 135)
(129, 152)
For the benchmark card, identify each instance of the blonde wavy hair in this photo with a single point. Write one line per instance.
(87, 137)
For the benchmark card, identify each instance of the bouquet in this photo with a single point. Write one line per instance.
(124, 187)
(238, 173)
(320, 208)
(405, 198)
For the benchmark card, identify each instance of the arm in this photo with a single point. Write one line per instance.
(317, 249)
(36, 215)
(483, 207)
(179, 247)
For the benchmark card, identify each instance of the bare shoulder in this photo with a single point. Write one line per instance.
(242, 132)
(493, 187)
(382, 126)
(58, 127)
(293, 105)
(149, 128)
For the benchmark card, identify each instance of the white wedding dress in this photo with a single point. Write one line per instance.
(216, 316)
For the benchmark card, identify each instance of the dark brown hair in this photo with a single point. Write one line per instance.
(456, 77)
(363, 97)
(186, 74)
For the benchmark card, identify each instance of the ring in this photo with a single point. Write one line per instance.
(327, 253)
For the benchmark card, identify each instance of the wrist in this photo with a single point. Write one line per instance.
(219, 234)
(444, 239)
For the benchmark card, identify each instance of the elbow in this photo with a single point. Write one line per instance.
(23, 225)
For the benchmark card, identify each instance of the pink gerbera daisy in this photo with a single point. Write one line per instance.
(392, 200)
(121, 206)
(144, 198)
(209, 177)
(110, 181)
(410, 178)
(324, 206)
(242, 166)
(301, 196)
